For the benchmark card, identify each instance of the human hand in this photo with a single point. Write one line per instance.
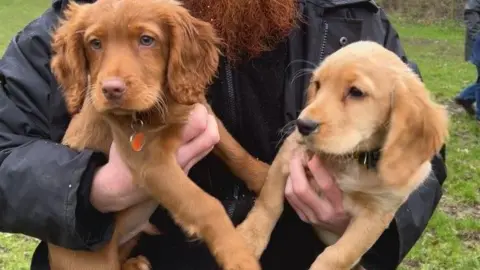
(113, 189)
(326, 210)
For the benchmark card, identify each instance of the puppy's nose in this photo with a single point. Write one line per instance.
(306, 126)
(113, 89)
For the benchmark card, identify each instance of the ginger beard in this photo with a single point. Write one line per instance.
(247, 27)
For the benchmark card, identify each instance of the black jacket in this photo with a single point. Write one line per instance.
(44, 186)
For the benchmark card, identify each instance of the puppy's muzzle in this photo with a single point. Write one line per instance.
(307, 126)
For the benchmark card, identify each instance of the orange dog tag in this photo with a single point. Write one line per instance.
(137, 141)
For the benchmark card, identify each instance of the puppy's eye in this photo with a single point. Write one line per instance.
(355, 92)
(146, 40)
(317, 84)
(96, 44)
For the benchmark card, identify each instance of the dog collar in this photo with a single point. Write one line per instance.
(137, 138)
(368, 159)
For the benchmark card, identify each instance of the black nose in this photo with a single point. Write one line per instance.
(113, 89)
(306, 126)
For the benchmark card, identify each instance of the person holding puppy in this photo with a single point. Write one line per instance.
(65, 197)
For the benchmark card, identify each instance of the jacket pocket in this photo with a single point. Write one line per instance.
(344, 23)
(340, 32)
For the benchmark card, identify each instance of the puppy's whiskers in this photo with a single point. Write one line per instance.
(89, 90)
(285, 131)
(162, 108)
(314, 66)
(301, 73)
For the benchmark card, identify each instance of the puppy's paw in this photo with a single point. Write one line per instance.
(256, 241)
(327, 261)
(242, 260)
(137, 263)
(232, 253)
(321, 266)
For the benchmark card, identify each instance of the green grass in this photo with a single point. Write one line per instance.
(452, 238)
(15, 14)
(16, 250)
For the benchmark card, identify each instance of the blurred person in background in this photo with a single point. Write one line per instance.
(471, 94)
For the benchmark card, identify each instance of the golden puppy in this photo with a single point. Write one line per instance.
(130, 71)
(364, 105)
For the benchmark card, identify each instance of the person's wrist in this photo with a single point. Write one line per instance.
(98, 198)
(85, 211)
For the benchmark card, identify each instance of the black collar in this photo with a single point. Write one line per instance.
(368, 159)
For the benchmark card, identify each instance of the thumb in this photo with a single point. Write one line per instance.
(151, 229)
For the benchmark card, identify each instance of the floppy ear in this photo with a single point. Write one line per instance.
(418, 129)
(68, 62)
(193, 57)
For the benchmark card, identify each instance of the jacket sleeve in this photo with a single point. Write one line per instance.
(412, 218)
(471, 17)
(44, 186)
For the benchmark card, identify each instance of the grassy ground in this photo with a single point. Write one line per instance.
(452, 240)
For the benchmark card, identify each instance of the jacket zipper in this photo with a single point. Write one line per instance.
(231, 105)
(231, 92)
(324, 41)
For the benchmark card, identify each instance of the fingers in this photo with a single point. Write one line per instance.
(196, 149)
(293, 201)
(325, 182)
(150, 229)
(197, 123)
(296, 171)
(133, 197)
(325, 209)
(113, 189)
(126, 248)
(196, 159)
(314, 207)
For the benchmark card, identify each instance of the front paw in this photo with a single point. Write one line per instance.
(325, 265)
(242, 260)
(329, 261)
(137, 263)
(256, 240)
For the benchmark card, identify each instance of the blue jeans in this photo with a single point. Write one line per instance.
(472, 93)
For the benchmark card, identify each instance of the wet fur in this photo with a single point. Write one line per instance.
(395, 114)
(163, 82)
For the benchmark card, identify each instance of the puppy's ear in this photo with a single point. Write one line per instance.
(418, 129)
(68, 62)
(194, 56)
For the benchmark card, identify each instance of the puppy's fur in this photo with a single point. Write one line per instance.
(165, 58)
(364, 98)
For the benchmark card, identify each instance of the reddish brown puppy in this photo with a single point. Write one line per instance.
(131, 71)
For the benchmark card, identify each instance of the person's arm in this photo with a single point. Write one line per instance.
(44, 186)
(412, 218)
(471, 17)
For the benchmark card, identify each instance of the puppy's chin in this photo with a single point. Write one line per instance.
(120, 112)
(332, 146)
(123, 107)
